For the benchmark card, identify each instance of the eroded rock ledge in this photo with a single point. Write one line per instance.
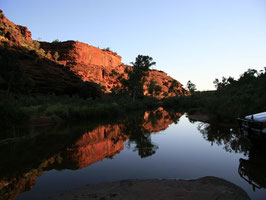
(202, 188)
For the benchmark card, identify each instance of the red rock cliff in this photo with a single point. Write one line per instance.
(92, 64)
(73, 53)
(13, 34)
(104, 66)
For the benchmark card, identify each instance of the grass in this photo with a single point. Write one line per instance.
(64, 108)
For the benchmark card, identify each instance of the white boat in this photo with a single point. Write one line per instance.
(254, 123)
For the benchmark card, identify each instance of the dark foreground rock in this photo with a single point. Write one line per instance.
(203, 188)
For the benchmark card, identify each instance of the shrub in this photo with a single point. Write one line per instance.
(55, 41)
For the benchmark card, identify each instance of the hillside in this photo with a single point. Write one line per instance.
(61, 67)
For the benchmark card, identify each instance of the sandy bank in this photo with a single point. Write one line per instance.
(203, 188)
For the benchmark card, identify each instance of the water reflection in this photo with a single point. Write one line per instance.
(252, 170)
(229, 137)
(76, 146)
(138, 129)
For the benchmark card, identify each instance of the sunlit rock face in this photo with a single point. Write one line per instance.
(90, 63)
(13, 34)
(165, 82)
(79, 53)
(104, 66)
(42, 75)
(102, 142)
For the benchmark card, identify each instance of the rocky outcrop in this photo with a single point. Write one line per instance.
(78, 53)
(35, 75)
(169, 86)
(103, 66)
(13, 34)
(28, 69)
(90, 63)
(87, 62)
(207, 188)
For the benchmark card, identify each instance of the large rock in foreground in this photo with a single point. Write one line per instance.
(203, 188)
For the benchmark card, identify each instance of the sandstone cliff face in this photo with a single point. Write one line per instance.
(26, 68)
(13, 34)
(104, 67)
(170, 87)
(73, 53)
(90, 63)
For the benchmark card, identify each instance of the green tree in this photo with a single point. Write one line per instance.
(173, 85)
(191, 87)
(153, 88)
(224, 82)
(136, 77)
(55, 41)
(139, 137)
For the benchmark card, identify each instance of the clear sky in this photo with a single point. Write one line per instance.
(197, 40)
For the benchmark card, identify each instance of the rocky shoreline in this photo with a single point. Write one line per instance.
(202, 188)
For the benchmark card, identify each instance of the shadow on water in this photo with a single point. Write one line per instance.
(253, 169)
(75, 146)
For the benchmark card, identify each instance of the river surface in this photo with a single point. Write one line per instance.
(148, 145)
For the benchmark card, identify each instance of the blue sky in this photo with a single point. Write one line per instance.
(197, 40)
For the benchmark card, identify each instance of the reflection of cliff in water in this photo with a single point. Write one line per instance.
(102, 142)
(23, 161)
(138, 130)
(253, 169)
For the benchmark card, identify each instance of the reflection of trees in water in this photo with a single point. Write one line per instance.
(231, 138)
(253, 169)
(192, 121)
(155, 116)
(174, 116)
(143, 144)
(74, 146)
(139, 129)
(138, 136)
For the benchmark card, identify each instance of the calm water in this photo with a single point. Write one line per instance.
(147, 145)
